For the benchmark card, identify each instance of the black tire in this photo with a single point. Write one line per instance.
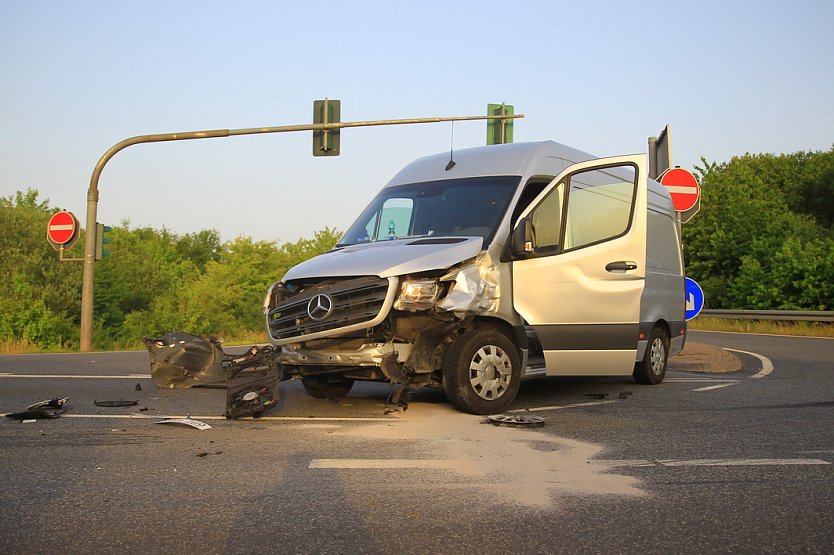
(652, 369)
(321, 387)
(482, 372)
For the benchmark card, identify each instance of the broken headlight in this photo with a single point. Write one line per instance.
(417, 294)
(268, 298)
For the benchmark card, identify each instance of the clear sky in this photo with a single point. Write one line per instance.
(77, 77)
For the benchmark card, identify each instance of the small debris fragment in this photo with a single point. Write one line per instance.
(514, 421)
(119, 403)
(625, 394)
(54, 403)
(143, 409)
(30, 421)
(203, 454)
(52, 408)
(596, 395)
(185, 422)
(138, 387)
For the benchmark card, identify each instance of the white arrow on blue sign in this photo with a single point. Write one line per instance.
(694, 298)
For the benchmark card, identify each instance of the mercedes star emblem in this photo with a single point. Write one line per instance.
(320, 307)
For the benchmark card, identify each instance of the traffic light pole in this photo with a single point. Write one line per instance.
(88, 277)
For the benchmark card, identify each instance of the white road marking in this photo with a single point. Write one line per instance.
(743, 462)
(761, 334)
(699, 380)
(380, 463)
(674, 463)
(78, 376)
(711, 387)
(359, 464)
(560, 407)
(767, 366)
(215, 417)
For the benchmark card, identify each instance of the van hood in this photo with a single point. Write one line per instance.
(389, 258)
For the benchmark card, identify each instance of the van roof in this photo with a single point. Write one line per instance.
(523, 159)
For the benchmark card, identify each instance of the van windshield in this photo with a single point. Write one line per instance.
(469, 207)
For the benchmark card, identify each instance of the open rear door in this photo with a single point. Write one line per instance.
(580, 281)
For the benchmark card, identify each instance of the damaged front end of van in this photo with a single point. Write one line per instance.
(334, 331)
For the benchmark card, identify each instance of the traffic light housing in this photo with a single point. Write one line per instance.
(326, 141)
(499, 131)
(101, 240)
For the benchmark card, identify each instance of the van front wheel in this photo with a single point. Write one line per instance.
(652, 369)
(482, 372)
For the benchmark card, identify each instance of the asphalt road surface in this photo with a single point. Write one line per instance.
(702, 463)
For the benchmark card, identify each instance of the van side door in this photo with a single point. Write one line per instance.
(579, 277)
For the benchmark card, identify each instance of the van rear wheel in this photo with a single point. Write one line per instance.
(482, 372)
(652, 369)
(321, 387)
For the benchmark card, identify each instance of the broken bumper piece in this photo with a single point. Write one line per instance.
(181, 360)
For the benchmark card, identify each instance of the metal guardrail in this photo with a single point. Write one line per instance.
(783, 315)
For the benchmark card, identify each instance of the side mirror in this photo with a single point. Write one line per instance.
(523, 238)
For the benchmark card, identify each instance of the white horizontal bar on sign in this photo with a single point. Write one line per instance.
(681, 190)
(61, 227)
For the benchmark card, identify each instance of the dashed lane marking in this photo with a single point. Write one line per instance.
(380, 463)
(677, 463)
(711, 387)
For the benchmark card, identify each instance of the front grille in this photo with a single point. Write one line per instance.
(355, 301)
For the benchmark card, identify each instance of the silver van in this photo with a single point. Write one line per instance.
(511, 262)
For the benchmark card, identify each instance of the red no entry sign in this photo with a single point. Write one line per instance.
(62, 228)
(683, 187)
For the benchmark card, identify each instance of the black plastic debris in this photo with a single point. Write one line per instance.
(252, 382)
(138, 387)
(596, 395)
(119, 403)
(515, 421)
(180, 359)
(625, 394)
(42, 410)
(398, 400)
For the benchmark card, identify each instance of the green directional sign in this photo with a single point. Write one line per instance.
(326, 141)
(499, 131)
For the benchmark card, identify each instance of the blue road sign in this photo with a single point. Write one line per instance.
(694, 298)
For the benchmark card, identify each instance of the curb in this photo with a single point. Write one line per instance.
(699, 357)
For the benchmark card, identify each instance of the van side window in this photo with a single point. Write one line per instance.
(547, 221)
(600, 204)
(662, 232)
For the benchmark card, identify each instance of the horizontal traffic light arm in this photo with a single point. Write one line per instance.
(92, 192)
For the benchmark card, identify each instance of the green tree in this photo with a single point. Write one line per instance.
(753, 244)
(41, 299)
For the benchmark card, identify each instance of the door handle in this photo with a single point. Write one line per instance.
(621, 266)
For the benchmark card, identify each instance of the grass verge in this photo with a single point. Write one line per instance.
(768, 327)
